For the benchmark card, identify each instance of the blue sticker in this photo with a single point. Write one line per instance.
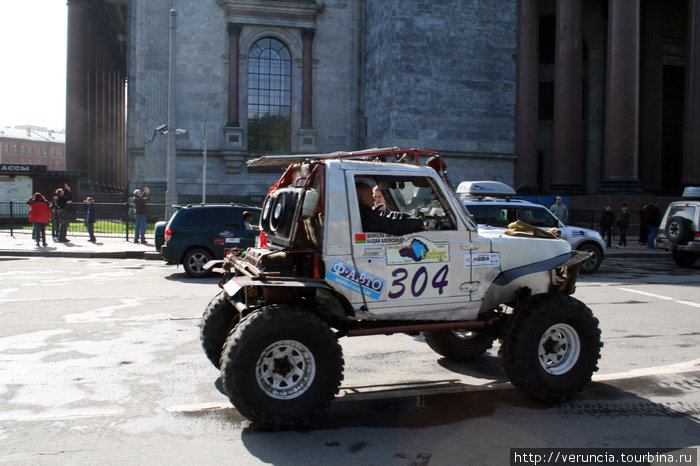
(349, 277)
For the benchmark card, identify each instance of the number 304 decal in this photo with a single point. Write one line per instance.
(419, 282)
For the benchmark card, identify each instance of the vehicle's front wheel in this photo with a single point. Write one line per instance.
(281, 367)
(194, 262)
(591, 264)
(458, 345)
(217, 321)
(551, 347)
(684, 259)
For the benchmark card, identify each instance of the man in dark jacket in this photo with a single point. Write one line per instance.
(652, 218)
(64, 197)
(607, 223)
(373, 220)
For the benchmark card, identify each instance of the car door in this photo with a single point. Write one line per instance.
(421, 272)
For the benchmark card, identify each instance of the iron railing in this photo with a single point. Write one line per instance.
(112, 219)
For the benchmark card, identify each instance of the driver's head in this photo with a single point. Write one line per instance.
(364, 194)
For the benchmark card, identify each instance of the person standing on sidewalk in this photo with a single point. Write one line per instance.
(607, 224)
(652, 217)
(64, 197)
(623, 222)
(140, 215)
(90, 218)
(39, 215)
(559, 210)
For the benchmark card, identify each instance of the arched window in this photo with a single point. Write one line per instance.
(269, 96)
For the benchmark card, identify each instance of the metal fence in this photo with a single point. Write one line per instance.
(590, 218)
(112, 220)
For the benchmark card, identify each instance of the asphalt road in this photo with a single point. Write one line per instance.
(100, 363)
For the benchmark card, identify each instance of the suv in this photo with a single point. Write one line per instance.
(491, 205)
(273, 330)
(680, 228)
(197, 234)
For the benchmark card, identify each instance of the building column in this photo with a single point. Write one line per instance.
(620, 165)
(527, 96)
(234, 34)
(567, 163)
(691, 134)
(651, 94)
(307, 37)
(76, 86)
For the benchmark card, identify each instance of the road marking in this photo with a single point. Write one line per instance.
(658, 296)
(677, 368)
(648, 294)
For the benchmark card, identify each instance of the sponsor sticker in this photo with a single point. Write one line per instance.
(233, 240)
(417, 249)
(376, 238)
(348, 276)
(486, 259)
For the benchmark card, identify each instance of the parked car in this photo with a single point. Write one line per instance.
(680, 228)
(492, 205)
(196, 234)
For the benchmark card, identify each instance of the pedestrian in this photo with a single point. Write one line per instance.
(247, 218)
(652, 218)
(39, 216)
(643, 229)
(64, 197)
(90, 218)
(54, 218)
(623, 223)
(607, 224)
(559, 210)
(140, 214)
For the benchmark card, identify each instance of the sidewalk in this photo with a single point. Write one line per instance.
(22, 244)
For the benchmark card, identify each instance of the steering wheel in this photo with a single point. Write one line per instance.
(429, 219)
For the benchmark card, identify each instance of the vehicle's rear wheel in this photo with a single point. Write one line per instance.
(551, 347)
(679, 230)
(684, 259)
(458, 345)
(217, 321)
(281, 367)
(194, 262)
(591, 264)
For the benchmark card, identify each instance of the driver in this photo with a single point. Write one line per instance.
(373, 220)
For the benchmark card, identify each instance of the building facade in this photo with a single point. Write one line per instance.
(577, 97)
(33, 146)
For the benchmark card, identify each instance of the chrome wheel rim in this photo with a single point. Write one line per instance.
(197, 262)
(463, 334)
(559, 349)
(285, 369)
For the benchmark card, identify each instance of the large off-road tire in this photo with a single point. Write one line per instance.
(458, 345)
(679, 230)
(194, 262)
(281, 367)
(217, 321)
(684, 259)
(591, 264)
(551, 347)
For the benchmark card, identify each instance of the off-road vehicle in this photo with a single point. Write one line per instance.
(274, 328)
(493, 205)
(680, 228)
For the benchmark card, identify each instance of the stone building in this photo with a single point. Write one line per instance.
(575, 97)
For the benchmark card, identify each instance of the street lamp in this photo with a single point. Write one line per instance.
(171, 188)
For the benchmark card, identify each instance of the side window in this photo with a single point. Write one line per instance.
(229, 218)
(196, 218)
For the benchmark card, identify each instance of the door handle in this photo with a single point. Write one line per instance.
(376, 251)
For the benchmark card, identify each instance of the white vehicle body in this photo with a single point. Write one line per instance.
(491, 205)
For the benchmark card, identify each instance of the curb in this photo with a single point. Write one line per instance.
(146, 255)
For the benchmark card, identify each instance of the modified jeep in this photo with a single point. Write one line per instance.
(273, 330)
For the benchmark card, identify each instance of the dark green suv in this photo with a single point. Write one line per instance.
(197, 234)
